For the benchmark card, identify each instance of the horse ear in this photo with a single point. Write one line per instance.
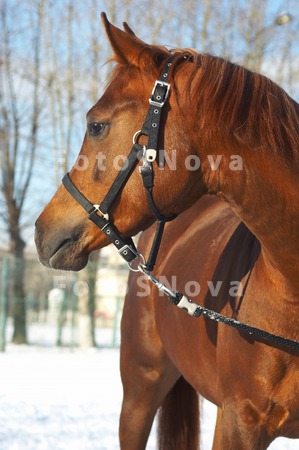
(126, 46)
(128, 29)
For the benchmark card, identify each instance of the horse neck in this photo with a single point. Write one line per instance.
(264, 193)
(241, 116)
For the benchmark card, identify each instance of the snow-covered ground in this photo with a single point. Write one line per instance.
(69, 399)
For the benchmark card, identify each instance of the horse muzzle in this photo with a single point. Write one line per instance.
(62, 248)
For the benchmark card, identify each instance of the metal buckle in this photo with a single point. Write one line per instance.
(127, 249)
(97, 208)
(163, 100)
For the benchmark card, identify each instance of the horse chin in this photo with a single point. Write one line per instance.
(67, 258)
(75, 264)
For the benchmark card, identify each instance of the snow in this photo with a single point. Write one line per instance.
(59, 399)
(66, 398)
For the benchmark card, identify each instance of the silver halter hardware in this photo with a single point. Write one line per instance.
(97, 208)
(150, 154)
(162, 288)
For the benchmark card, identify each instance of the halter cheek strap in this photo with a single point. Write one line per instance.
(98, 213)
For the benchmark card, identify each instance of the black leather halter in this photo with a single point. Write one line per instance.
(98, 213)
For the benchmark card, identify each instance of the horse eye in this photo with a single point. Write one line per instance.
(95, 128)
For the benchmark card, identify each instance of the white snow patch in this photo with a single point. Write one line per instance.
(66, 399)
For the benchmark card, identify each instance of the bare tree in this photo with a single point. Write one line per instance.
(86, 292)
(18, 140)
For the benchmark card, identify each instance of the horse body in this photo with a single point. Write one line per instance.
(248, 235)
(256, 387)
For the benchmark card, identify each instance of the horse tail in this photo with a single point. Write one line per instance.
(179, 418)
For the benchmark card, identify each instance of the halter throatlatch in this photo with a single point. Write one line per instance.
(98, 213)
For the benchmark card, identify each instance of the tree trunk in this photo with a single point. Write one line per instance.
(18, 293)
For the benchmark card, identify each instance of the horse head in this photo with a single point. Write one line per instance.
(64, 235)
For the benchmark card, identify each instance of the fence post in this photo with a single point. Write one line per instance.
(4, 302)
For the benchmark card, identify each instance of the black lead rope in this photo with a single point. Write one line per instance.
(195, 310)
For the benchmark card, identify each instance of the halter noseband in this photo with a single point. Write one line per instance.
(98, 213)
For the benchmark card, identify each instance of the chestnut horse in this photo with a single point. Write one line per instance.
(231, 134)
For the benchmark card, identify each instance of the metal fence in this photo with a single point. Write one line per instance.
(63, 308)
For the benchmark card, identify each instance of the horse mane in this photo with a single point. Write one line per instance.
(245, 107)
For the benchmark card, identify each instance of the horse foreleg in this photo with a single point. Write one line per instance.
(218, 431)
(243, 427)
(146, 371)
(145, 387)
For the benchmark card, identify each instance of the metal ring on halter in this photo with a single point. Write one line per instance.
(137, 135)
(139, 255)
